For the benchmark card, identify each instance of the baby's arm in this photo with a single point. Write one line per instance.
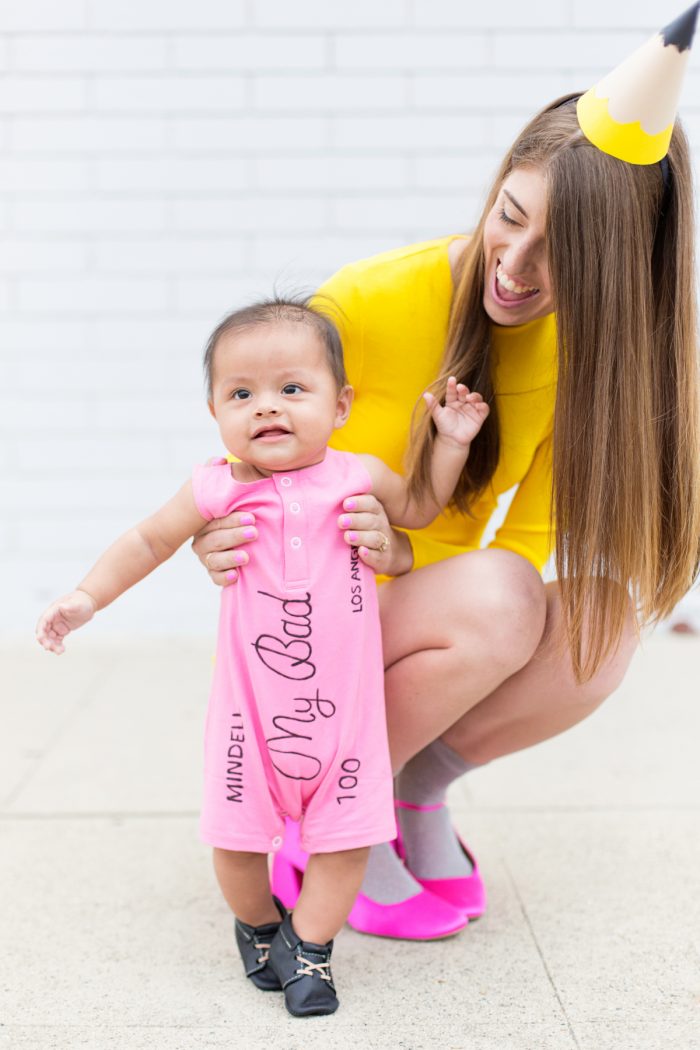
(133, 556)
(458, 422)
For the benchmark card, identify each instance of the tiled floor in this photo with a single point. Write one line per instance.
(114, 937)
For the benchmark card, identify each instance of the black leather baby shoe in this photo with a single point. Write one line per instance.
(254, 945)
(304, 971)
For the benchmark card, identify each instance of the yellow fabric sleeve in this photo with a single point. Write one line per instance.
(527, 529)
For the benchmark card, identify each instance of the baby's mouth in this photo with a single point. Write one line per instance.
(509, 290)
(270, 432)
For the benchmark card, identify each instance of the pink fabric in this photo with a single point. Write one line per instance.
(296, 724)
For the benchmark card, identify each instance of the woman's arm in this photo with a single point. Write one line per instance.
(132, 557)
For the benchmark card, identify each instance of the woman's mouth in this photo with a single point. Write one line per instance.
(509, 292)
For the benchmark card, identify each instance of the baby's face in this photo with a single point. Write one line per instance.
(274, 396)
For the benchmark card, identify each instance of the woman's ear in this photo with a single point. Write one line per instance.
(342, 408)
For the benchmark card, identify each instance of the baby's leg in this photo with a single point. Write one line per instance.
(245, 884)
(331, 883)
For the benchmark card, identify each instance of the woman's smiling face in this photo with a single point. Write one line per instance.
(517, 287)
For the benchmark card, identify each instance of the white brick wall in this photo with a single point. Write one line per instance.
(165, 160)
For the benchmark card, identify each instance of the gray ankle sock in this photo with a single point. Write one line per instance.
(386, 880)
(432, 848)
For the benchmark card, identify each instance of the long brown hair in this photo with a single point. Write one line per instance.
(626, 452)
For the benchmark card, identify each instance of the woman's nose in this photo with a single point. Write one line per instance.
(517, 261)
(521, 259)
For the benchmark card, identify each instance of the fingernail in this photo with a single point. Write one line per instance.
(350, 504)
(352, 536)
(239, 556)
(232, 575)
(247, 519)
(249, 533)
(345, 521)
(364, 551)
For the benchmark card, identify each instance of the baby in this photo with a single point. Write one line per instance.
(296, 724)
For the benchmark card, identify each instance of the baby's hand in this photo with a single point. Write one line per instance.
(62, 617)
(461, 417)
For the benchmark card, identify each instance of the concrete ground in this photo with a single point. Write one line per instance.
(114, 936)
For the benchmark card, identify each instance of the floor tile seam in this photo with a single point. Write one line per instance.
(107, 1028)
(227, 1026)
(545, 966)
(684, 807)
(29, 818)
(85, 699)
(6, 814)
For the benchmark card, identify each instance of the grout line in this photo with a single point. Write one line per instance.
(555, 810)
(536, 943)
(107, 814)
(177, 814)
(82, 705)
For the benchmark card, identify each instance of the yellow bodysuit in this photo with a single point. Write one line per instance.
(392, 311)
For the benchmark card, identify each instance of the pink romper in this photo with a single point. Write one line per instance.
(296, 724)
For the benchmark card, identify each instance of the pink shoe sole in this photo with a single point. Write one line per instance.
(424, 917)
(467, 893)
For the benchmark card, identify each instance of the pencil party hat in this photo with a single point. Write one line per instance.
(630, 112)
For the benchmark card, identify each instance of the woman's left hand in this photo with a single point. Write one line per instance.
(366, 526)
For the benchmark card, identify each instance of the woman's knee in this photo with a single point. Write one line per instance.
(491, 603)
(508, 608)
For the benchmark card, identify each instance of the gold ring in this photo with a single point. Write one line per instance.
(206, 561)
(384, 546)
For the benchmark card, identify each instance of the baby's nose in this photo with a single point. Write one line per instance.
(267, 409)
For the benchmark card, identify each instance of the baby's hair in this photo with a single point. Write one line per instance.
(271, 311)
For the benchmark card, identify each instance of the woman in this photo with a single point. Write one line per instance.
(571, 310)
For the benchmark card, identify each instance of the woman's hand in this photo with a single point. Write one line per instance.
(216, 546)
(366, 526)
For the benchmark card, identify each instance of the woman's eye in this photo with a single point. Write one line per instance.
(241, 395)
(506, 218)
(291, 388)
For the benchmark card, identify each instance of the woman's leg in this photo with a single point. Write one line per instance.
(475, 653)
(452, 633)
(536, 701)
(542, 699)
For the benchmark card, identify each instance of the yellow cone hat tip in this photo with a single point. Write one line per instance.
(630, 113)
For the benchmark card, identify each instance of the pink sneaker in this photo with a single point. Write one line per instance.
(467, 893)
(423, 917)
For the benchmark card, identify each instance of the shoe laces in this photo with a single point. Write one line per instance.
(265, 949)
(308, 968)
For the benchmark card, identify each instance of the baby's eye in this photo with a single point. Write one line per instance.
(241, 394)
(291, 388)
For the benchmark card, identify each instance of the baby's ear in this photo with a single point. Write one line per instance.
(211, 408)
(342, 408)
